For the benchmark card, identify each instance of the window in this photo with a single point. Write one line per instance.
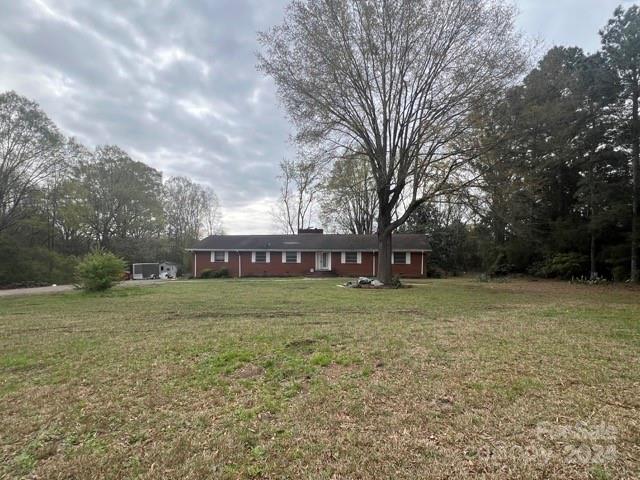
(350, 257)
(219, 256)
(290, 257)
(260, 257)
(401, 258)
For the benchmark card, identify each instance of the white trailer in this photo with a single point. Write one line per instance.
(145, 271)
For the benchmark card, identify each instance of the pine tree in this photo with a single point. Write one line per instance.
(621, 46)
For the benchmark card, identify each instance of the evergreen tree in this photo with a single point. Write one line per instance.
(621, 47)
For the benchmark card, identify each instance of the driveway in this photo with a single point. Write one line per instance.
(67, 288)
(35, 290)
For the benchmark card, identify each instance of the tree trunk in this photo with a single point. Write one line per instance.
(594, 273)
(499, 225)
(385, 248)
(635, 160)
(384, 257)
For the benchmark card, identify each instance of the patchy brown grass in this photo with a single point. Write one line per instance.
(301, 379)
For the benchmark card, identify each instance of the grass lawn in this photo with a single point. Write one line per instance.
(301, 379)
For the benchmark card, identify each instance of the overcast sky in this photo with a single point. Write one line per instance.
(174, 82)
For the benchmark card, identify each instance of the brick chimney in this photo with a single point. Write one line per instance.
(302, 231)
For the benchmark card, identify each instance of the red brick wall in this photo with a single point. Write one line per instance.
(308, 261)
(364, 269)
(203, 262)
(274, 268)
(412, 270)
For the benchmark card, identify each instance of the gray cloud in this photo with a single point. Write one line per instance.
(567, 22)
(174, 82)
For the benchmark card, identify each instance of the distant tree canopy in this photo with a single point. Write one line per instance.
(554, 196)
(59, 200)
(29, 151)
(191, 211)
(349, 202)
(300, 181)
(122, 198)
(342, 197)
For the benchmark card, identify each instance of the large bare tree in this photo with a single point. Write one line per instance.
(395, 79)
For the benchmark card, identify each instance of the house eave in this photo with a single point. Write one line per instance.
(300, 250)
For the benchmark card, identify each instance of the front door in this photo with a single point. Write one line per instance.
(323, 261)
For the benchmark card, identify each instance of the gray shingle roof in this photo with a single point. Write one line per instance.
(310, 241)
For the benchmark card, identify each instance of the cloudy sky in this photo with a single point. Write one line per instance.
(174, 82)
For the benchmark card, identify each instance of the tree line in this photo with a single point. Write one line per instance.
(539, 176)
(59, 200)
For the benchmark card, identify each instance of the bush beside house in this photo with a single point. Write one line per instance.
(210, 273)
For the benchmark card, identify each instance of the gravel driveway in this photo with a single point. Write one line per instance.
(67, 288)
(35, 290)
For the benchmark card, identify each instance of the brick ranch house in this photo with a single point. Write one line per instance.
(310, 253)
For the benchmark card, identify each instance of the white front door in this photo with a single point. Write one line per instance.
(323, 261)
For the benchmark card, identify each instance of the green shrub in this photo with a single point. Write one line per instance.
(537, 269)
(434, 271)
(208, 273)
(99, 270)
(396, 282)
(500, 267)
(562, 265)
(620, 273)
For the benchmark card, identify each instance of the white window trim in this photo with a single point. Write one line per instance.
(407, 258)
(343, 258)
(213, 256)
(298, 257)
(267, 259)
